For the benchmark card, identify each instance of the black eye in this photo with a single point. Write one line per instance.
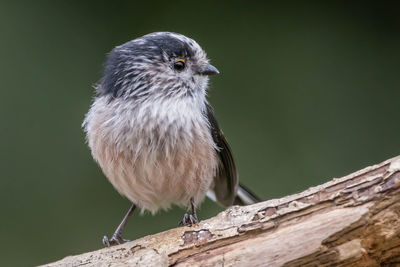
(179, 65)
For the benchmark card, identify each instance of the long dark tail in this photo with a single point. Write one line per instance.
(245, 196)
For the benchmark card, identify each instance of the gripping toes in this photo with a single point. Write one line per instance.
(189, 220)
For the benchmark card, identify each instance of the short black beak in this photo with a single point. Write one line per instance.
(209, 70)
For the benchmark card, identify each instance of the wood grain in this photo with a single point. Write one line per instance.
(350, 221)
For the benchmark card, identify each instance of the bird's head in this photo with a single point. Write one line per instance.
(156, 65)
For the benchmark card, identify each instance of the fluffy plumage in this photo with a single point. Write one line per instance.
(151, 129)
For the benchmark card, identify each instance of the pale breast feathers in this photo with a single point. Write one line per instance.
(155, 155)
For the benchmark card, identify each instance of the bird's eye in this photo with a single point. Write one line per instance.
(179, 64)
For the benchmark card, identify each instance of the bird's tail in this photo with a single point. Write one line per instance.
(245, 196)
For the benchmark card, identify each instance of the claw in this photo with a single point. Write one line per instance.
(106, 241)
(115, 240)
(188, 220)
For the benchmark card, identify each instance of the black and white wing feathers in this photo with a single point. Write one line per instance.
(227, 190)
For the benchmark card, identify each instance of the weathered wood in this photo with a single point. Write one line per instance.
(351, 221)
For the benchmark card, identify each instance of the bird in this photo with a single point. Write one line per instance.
(154, 134)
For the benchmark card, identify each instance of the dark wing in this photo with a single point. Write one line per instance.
(226, 181)
(227, 189)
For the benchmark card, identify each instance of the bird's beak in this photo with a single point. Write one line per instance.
(209, 70)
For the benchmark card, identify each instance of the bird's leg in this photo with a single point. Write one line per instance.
(116, 238)
(194, 213)
(190, 219)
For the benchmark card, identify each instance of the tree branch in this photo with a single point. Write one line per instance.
(350, 221)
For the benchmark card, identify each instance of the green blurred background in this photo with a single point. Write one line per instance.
(308, 91)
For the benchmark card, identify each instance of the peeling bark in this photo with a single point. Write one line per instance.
(350, 221)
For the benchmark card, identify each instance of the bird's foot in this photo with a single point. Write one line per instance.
(189, 220)
(115, 240)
